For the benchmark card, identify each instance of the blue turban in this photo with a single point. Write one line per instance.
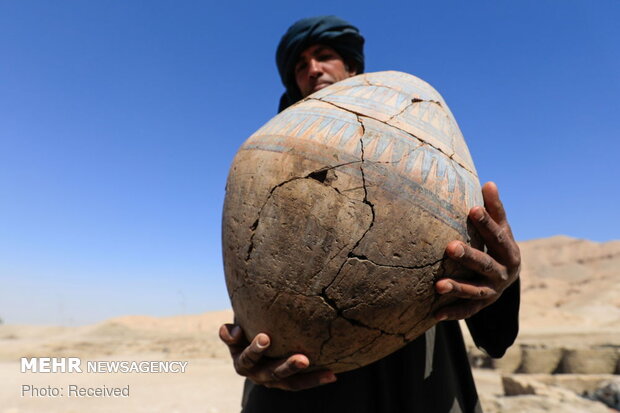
(330, 31)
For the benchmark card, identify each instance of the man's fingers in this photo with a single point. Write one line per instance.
(476, 261)
(494, 228)
(493, 204)
(232, 336)
(490, 230)
(304, 381)
(277, 370)
(468, 290)
(498, 238)
(252, 354)
(283, 374)
(496, 268)
(292, 365)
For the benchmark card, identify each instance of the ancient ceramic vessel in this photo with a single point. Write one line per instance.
(337, 215)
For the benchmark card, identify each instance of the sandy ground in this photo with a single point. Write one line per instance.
(570, 298)
(207, 386)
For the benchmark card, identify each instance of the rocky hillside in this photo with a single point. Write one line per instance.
(570, 283)
(569, 344)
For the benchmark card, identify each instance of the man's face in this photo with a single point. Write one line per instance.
(319, 66)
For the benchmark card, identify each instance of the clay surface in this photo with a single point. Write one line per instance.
(336, 217)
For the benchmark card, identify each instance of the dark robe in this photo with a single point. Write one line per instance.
(429, 375)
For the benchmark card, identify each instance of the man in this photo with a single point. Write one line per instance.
(432, 373)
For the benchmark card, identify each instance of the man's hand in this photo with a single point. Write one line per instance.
(285, 374)
(496, 269)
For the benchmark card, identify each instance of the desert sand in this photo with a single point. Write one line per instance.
(569, 342)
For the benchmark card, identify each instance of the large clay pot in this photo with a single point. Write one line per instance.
(337, 215)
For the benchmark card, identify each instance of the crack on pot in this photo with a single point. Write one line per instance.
(358, 114)
(410, 104)
(329, 337)
(365, 200)
(352, 352)
(358, 323)
(406, 267)
(359, 349)
(311, 279)
(318, 175)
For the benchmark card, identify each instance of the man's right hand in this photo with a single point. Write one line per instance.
(285, 374)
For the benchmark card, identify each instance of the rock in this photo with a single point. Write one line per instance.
(608, 393)
(531, 395)
(595, 360)
(539, 359)
(336, 217)
(478, 358)
(576, 383)
(517, 384)
(510, 362)
(545, 404)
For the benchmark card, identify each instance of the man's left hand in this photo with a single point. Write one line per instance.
(497, 269)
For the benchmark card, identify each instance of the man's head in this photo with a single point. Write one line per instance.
(319, 66)
(316, 52)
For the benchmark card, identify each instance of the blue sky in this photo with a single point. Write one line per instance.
(119, 120)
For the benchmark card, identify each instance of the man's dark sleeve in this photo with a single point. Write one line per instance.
(495, 328)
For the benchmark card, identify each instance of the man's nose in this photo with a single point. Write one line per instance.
(314, 67)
